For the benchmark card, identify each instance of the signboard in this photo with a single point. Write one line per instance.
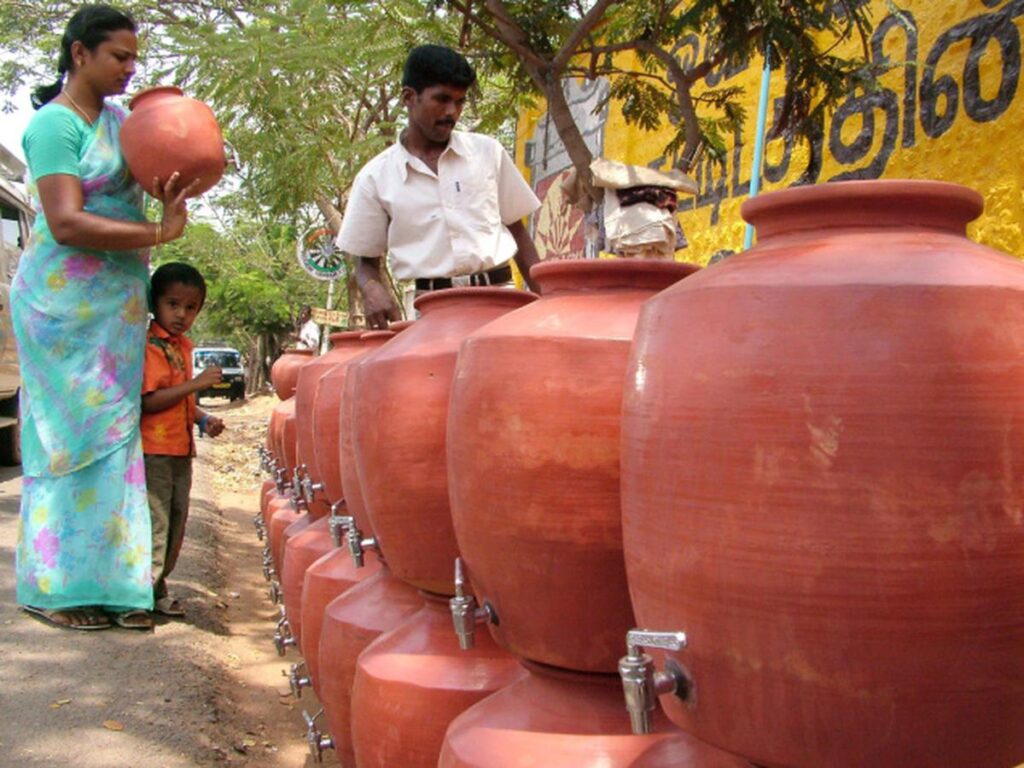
(318, 255)
(333, 317)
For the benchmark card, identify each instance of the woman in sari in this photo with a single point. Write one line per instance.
(79, 308)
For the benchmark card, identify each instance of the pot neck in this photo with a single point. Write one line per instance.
(470, 298)
(581, 276)
(299, 352)
(887, 204)
(156, 93)
(345, 338)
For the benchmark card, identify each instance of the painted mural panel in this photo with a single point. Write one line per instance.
(949, 108)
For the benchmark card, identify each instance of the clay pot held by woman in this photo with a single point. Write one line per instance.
(533, 461)
(169, 132)
(400, 403)
(327, 414)
(351, 622)
(412, 682)
(560, 719)
(284, 373)
(823, 483)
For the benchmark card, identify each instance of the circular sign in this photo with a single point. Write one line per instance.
(319, 256)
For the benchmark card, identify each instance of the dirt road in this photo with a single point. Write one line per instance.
(207, 690)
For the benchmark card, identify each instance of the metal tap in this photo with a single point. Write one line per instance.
(357, 545)
(310, 489)
(257, 521)
(465, 612)
(283, 637)
(337, 524)
(297, 681)
(268, 564)
(275, 591)
(279, 479)
(317, 741)
(264, 455)
(641, 684)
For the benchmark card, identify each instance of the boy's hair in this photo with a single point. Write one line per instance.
(171, 273)
(429, 65)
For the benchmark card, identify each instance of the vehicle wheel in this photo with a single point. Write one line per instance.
(10, 437)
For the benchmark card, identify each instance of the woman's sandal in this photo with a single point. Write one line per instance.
(137, 619)
(85, 619)
(168, 606)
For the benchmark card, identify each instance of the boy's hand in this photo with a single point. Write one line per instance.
(209, 376)
(214, 426)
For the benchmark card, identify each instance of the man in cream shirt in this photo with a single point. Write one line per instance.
(440, 203)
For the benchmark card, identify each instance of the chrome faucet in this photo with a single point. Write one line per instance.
(357, 545)
(297, 681)
(337, 524)
(283, 637)
(641, 684)
(317, 741)
(465, 612)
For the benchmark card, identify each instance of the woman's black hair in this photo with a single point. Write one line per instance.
(429, 65)
(91, 25)
(175, 273)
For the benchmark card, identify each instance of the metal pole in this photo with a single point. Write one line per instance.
(762, 119)
(330, 306)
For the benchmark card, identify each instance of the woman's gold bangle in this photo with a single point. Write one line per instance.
(159, 233)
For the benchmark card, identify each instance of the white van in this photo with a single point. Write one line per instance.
(232, 386)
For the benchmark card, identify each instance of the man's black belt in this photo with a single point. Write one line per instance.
(497, 276)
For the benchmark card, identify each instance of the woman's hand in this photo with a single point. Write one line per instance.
(175, 211)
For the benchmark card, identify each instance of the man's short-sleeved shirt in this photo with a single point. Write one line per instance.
(168, 363)
(450, 223)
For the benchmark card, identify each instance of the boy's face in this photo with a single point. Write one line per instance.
(177, 308)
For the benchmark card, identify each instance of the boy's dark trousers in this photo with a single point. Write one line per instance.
(168, 484)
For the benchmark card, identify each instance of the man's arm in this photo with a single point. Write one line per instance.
(379, 305)
(526, 253)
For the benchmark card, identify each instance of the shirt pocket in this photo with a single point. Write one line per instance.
(481, 193)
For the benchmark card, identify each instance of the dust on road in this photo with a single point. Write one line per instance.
(205, 691)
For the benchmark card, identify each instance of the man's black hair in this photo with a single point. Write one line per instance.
(173, 273)
(429, 65)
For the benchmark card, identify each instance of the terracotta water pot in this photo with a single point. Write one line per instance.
(351, 622)
(301, 550)
(275, 428)
(327, 414)
(282, 516)
(344, 346)
(822, 468)
(169, 132)
(267, 491)
(399, 424)
(289, 443)
(284, 373)
(326, 579)
(413, 681)
(559, 719)
(533, 460)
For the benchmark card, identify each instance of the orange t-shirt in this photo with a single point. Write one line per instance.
(168, 363)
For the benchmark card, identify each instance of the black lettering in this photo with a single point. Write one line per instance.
(903, 20)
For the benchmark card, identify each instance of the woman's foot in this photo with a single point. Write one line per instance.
(85, 618)
(137, 619)
(168, 606)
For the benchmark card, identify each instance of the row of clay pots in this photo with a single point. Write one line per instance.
(416, 371)
(820, 486)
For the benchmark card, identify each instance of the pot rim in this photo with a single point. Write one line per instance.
(872, 204)
(581, 275)
(155, 89)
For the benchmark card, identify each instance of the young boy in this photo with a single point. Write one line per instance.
(169, 410)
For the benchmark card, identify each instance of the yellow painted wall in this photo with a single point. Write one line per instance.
(955, 112)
